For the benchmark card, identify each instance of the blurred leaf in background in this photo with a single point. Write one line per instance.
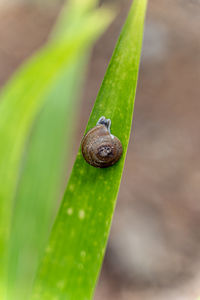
(37, 111)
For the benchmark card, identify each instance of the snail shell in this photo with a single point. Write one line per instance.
(100, 148)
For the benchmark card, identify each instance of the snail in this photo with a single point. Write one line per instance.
(99, 147)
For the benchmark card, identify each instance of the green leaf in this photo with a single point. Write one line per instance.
(21, 101)
(40, 185)
(74, 10)
(74, 255)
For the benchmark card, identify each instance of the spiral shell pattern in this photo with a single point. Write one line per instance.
(100, 148)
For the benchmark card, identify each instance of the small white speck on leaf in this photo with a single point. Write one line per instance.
(81, 214)
(83, 253)
(61, 284)
(71, 187)
(81, 171)
(70, 211)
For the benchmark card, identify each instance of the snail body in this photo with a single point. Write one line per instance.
(100, 148)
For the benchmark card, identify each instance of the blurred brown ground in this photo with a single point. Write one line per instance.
(153, 251)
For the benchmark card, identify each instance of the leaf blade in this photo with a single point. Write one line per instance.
(84, 219)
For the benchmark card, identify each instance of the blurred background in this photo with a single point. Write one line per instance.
(154, 246)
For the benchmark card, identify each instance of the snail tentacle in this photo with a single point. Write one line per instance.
(105, 122)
